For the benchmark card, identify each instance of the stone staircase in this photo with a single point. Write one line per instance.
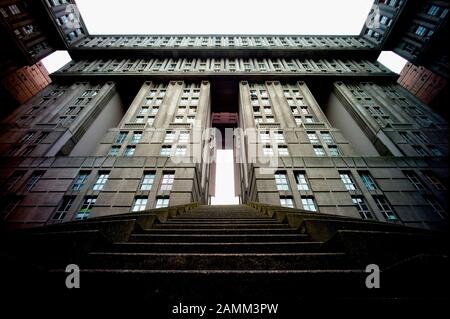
(243, 252)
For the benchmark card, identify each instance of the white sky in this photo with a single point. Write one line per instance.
(231, 16)
(224, 179)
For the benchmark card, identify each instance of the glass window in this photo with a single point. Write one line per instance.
(368, 181)
(167, 181)
(101, 180)
(80, 180)
(319, 151)
(327, 138)
(313, 139)
(281, 181)
(139, 204)
(181, 150)
(298, 120)
(264, 137)
(283, 150)
(183, 137)
(362, 207)
(170, 137)
(286, 201)
(334, 150)
(267, 150)
(85, 210)
(129, 151)
(136, 138)
(64, 207)
(308, 203)
(385, 208)
(414, 179)
(162, 201)
(434, 180)
(436, 206)
(147, 181)
(347, 180)
(165, 150)
(279, 137)
(114, 151)
(435, 151)
(419, 150)
(302, 181)
(34, 179)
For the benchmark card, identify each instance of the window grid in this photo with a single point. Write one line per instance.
(281, 181)
(101, 181)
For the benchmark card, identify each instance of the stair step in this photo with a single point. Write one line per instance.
(177, 220)
(256, 247)
(218, 225)
(193, 261)
(219, 231)
(200, 238)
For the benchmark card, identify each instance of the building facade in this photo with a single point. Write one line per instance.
(316, 123)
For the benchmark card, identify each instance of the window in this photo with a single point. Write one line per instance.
(270, 119)
(420, 31)
(433, 10)
(309, 119)
(64, 207)
(179, 119)
(347, 180)
(136, 138)
(165, 150)
(385, 208)
(114, 151)
(101, 180)
(147, 181)
(281, 181)
(170, 137)
(435, 151)
(34, 179)
(298, 120)
(368, 181)
(139, 204)
(80, 180)
(283, 150)
(308, 203)
(14, 179)
(434, 180)
(139, 119)
(264, 137)
(362, 207)
(8, 204)
(414, 179)
(279, 137)
(334, 150)
(183, 137)
(406, 137)
(129, 151)
(302, 181)
(436, 206)
(181, 150)
(286, 201)
(419, 150)
(313, 139)
(28, 150)
(167, 181)
(267, 150)
(85, 210)
(421, 137)
(150, 120)
(120, 138)
(162, 201)
(27, 137)
(327, 138)
(319, 151)
(42, 137)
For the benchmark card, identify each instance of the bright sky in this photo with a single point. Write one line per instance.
(231, 16)
(224, 179)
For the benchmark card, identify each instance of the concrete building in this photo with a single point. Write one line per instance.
(317, 124)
